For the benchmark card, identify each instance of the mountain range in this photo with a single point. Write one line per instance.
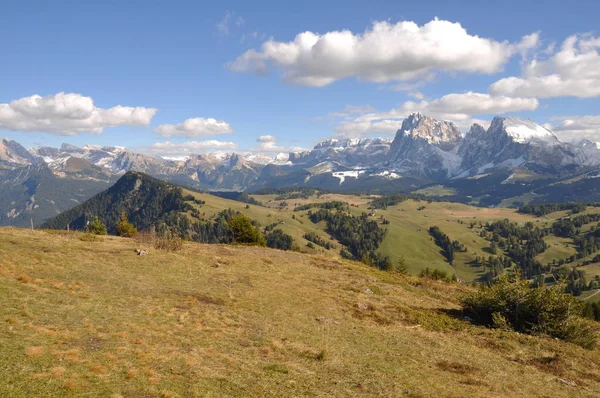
(513, 161)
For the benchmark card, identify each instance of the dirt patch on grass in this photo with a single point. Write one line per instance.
(201, 298)
(93, 343)
(457, 367)
(549, 364)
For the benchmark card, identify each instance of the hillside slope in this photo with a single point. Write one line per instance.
(93, 319)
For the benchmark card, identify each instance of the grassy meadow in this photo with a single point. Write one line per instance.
(87, 317)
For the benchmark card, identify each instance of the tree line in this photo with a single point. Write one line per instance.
(360, 236)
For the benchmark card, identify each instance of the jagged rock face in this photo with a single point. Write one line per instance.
(13, 154)
(513, 142)
(443, 134)
(426, 146)
(481, 148)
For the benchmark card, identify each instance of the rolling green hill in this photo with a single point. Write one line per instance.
(155, 205)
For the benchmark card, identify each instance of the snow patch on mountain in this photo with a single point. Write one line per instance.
(342, 175)
(524, 131)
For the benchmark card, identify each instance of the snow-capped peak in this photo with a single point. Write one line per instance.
(523, 130)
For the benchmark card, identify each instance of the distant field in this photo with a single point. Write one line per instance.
(436, 190)
(407, 235)
(85, 317)
(558, 248)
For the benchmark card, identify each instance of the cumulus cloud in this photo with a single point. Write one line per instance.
(68, 114)
(268, 145)
(266, 138)
(459, 108)
(576, 128)
(573, 70)
(195, 128)
(358, 127)
(188, 148)
(386, 52)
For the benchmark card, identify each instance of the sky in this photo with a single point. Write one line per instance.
(171, 78)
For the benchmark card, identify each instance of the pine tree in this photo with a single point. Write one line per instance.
(125, 228)
(96, 227)
(401, 266)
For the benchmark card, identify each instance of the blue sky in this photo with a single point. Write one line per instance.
(176, 60)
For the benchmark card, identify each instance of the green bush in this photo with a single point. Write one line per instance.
(96, 227)
(280, 240)
(512, 304)
(435, 274)
(244, 232)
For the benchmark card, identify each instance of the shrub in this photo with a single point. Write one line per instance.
(96, 227)
(90, 238)
(280, 240)
(511, 303)
(125, 228)
(435, 274)
(168, 244)
(244, 232)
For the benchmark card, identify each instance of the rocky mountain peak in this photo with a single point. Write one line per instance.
(476, 130)
(418, 126)
(70, 148)
(11, 152)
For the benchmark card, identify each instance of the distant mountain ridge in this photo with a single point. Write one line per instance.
(508, 162)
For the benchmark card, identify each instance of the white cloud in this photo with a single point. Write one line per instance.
(266, 138)
(352, 110)
(195, 128)
(68, 114)
(416, 94)
(576, 127)
(385, 52)
(459, 108)
(272, 147)
(188, 148)
(357, 127)
(573, 71)
(268, 145)
(223, 25)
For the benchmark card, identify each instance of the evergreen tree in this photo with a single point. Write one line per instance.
(96, 227)
(125, 228)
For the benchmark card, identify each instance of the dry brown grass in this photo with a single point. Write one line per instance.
(264, 323)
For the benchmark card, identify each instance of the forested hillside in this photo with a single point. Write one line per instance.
(144, 199)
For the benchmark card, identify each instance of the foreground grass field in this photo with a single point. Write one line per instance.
(85, 318)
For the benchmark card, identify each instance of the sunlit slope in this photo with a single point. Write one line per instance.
(407, 235)
(90, 318)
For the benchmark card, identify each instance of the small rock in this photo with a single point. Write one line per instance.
(368, 291)
(568, 382)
